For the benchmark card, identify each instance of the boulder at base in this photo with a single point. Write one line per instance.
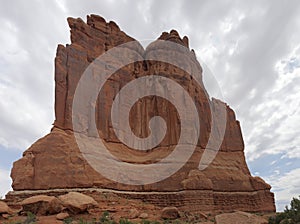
(42, 205)
(170, 213)
(77, 203)
(4, 209)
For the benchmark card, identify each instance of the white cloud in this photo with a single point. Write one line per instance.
(5, 182)
(276, 128)
(26, 74)
(286, 186)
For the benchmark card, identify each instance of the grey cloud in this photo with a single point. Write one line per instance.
(242, 59)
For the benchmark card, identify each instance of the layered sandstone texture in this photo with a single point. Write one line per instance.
(55, 161)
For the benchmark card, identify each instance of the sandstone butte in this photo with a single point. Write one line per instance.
(54, 164)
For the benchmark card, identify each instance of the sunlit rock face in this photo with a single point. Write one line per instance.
(56, 162)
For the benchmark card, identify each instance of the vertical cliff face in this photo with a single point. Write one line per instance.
(55, 161)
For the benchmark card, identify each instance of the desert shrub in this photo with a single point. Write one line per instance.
(106, 219)
(30, 219)
(68, 220)
(124, 221)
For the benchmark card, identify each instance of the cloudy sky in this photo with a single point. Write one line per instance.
(251, 47)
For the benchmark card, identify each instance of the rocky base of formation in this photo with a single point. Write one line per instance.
(107, 207)
(191, 201)
(226, 185)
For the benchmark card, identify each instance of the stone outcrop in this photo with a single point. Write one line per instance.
(42, 205)
(4, 209)
(62, 216)
(55, 161)
(170, 213)
(77, 203)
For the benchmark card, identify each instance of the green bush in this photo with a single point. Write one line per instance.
(106, 219)
(68, 220)
(30, 219)
(289, 216)
(124, 221)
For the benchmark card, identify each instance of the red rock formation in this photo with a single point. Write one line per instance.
(55, 161)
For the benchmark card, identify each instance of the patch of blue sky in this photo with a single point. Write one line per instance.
(268, 165)
(8, 156)
(291, 65)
